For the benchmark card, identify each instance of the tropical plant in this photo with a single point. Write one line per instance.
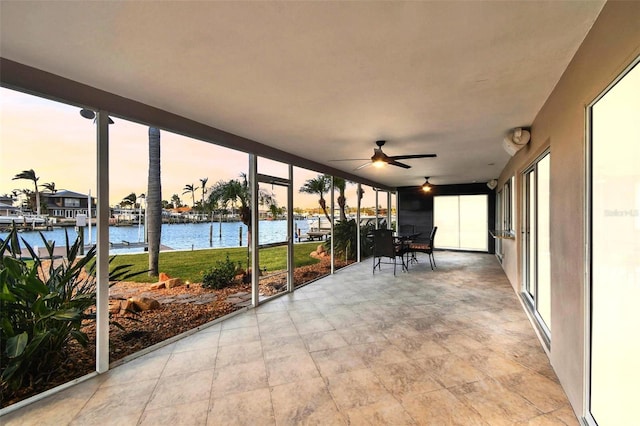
(190, 188)
(320, 185)
(31, 175)
(345, 237)
(29, 199)
(276, 211)
(175, 200)
(129, 200)
(236, 191)
(42, 308)
(203, 181)
(340, 184)
(221, 275)
(50, 186)
(154, 201)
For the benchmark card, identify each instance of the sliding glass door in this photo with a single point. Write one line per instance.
(462, 221)
(536, 248)
(615, 253)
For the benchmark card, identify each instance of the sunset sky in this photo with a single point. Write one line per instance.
(59, 145)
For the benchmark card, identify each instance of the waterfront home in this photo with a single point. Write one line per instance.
(68, 204)
(7, 208)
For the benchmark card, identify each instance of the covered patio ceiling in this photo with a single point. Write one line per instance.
(321, 80)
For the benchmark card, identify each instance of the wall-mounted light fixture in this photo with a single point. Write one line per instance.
(492, 184)
(426, 186)
(515, 140)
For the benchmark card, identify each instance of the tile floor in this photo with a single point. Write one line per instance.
(450, 346)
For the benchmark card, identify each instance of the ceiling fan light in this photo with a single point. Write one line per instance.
(426, 186)
(379, 163)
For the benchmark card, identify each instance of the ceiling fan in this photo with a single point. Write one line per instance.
(379, 158)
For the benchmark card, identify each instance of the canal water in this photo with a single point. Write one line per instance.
(182, 236)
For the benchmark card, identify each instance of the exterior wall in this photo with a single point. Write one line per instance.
(611, 45)
(416, 208)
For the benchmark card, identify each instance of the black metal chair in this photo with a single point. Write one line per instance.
(425, 247)
(406, 229)
(384, 245)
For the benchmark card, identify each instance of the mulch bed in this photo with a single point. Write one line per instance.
(154, 326)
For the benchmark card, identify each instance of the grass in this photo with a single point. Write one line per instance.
(189, 265)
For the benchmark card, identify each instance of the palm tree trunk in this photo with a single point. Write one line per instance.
(37, 198)
(323, 205)
(154, 201)
(342, 201)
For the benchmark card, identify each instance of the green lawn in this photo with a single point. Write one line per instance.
(189, 265)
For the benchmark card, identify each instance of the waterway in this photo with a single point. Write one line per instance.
(178, 236)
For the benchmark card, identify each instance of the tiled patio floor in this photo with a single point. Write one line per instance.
(450, 346)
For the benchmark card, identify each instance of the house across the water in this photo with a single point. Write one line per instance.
(68, 204)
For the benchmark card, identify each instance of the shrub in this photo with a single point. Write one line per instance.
(346, 242)
(42, 309)
(221, 275)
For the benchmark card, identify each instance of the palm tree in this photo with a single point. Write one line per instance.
(341, 184)
(237, 191)
(276, 211)
(129, 200)
(31, 175)
(319, 185)
(204, 190)
(190, 189)
(51, 187)
(28, 202)
(154, 201)
(175, 200)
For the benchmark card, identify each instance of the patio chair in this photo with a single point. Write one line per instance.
(406, 229)
(425, 247)
(384, 245)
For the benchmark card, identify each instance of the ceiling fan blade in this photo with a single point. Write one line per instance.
(399, 164)
(350, 159)
(407, 157)
(367, 164)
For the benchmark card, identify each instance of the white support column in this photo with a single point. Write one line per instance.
(389, 210)
(290, 258)
(358, 192)
(255, 273)
(102, 241)
(376, 210)
(333, 219)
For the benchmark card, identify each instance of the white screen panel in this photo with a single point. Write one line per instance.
(445, 217)
(473, 222)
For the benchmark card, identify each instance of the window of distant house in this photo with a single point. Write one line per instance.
(71, 202)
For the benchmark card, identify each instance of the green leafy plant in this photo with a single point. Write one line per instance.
(42, 308)
(345, 240)
(221, 275)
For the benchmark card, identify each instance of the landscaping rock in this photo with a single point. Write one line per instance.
(163, 277)
(173, 282)
(128, 306)
(168, 283)
(114, 307)
(157, 286)
(144, 303)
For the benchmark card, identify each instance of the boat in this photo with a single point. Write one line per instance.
(23, 220)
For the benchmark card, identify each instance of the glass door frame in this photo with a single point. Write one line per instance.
(530, 245)
(588, 418)
(255, 179)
